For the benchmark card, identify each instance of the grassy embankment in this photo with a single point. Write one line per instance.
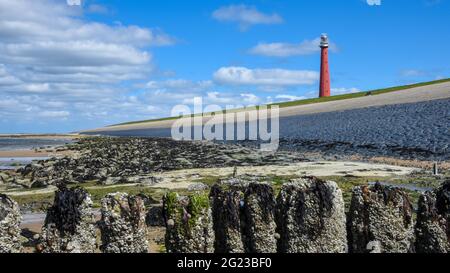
(315, 100)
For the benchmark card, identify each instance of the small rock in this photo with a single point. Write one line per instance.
(170, 223)
(155, 216)
(111, 180)
(197, 187)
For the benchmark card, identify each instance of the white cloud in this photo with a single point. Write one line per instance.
(343, 90)
(37, 87)
(227, 99)
(373, 2)
(73, 54)
(289, 97)
(96, 8)
(245, 16)
(180, 91)
(54, 114)
(54, 63)
(6, 79)
(264, 77)
(217, 98)
(306, 47)
(73, 2)
(412, 73)
(179, 84)
(250, 99)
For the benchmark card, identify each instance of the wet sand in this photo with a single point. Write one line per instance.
(33, 153)
(39, 153)
(43, 136)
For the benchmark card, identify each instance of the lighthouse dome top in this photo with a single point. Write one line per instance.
(324, 40)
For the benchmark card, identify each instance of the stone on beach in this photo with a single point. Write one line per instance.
(311, 217)
(155, 217)
(9, 225)
(4, 178)
(70, 224)
(123, 225)
(189, 226)
(113, 161)
(433, 221)
(380, 220)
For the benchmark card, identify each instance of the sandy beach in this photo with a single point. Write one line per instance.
(32, 153)
(41, 152)
(43, 136)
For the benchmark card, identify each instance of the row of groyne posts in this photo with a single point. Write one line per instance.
(307, 216)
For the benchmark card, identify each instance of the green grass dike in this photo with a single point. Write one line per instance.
(309, 101)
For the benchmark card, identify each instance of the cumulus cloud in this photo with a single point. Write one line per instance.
(227, 99)
(306, 47)
(289, 97)
(181, 91)
(6, 79)
(54, 114)
(251, 99)
(96, 8)
(264, 77)
(56, 64)
(412, 73)
(245, 16)
(343, 90)
(178, 84)
(243, 98)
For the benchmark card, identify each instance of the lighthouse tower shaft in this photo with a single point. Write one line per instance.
(325, 90)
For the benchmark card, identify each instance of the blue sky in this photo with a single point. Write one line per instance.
(66, 67)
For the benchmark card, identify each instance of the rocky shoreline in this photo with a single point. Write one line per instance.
(410, 131)
(134, 160)
(111, 186)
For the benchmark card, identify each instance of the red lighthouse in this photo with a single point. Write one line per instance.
(324, 70)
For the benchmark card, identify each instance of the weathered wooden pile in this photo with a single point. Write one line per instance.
(308, 216)
(240, 215)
